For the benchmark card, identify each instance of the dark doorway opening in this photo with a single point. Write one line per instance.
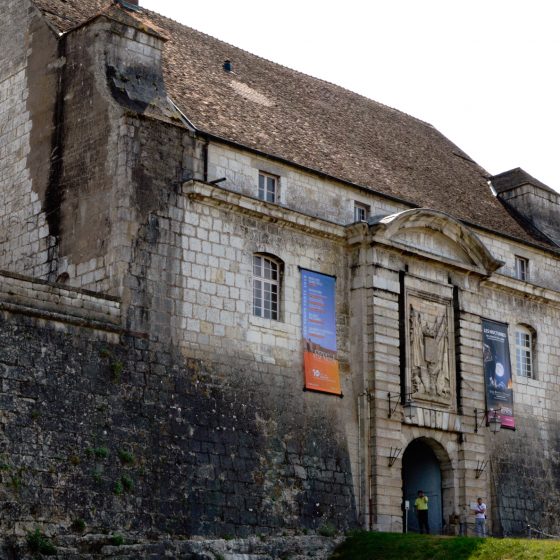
(422, 471)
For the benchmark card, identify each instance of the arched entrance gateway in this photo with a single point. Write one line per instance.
(426, 466)
(432, 261)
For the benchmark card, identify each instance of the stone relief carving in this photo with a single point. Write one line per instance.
(430, 377)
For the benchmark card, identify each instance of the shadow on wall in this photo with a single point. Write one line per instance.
(130, 437)
(526, 479)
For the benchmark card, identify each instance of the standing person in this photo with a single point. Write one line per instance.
(421, 507)
(480, 518)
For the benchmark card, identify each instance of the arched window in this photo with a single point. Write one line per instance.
(524, 351)
(267, 275)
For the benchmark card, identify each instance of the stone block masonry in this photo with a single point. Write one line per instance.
(134, 421)
(38, 298)
(130, 437)
(26, 124)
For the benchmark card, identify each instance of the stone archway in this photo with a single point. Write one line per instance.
(427, 467)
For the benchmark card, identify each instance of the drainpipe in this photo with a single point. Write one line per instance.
(205, 158)
(369, 465)
(364, 406)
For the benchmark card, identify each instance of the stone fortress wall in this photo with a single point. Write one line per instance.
(140, 381)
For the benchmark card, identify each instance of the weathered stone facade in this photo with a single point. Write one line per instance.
(88, 407)
(141, 394)
(25, 150)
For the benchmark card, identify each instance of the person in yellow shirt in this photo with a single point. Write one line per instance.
(421, 507)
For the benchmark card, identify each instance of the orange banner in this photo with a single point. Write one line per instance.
(321, 374)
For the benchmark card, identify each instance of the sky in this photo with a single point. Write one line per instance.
(485, 73)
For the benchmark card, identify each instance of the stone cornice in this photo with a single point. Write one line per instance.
(522, 289)
(265, 211)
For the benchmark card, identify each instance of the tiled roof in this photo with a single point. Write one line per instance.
(514, 178)
(307, 121)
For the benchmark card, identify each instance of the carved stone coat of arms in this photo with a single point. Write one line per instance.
(431, 368)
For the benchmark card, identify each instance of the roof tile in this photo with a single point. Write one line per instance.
(315, 124)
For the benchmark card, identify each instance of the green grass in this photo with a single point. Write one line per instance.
(396, 546)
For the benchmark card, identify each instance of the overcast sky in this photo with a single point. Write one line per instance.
(484, 72)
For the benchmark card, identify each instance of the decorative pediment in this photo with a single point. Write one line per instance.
(434, 235)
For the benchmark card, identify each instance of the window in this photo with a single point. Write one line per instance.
(524, 341)
(521, 268)
(266, 286)
(361, 212)
(268, 187)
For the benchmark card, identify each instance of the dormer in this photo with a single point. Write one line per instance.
(534, 204)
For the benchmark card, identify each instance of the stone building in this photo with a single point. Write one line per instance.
(167, 200)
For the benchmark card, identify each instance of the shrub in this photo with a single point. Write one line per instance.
(96, 474)
(101, 452)
(126, 457)
(327, 530)
(117, 369)
(127, 482)
(78, 525)
(38, 543)
(15, 482)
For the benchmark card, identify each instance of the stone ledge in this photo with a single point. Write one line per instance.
(63, 318)
(86, 547)
(55, 286)
(54, 302)
(267, 211)
(524, 289)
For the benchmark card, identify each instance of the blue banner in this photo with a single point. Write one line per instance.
(319, 332)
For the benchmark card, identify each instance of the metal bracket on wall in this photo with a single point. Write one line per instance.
(392, 409)
(480, 467)
(394, 455)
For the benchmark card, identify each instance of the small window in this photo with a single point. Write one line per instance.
(521, 268)
(268, 187)
(361, 212)
(266, 286)
(524, 355)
